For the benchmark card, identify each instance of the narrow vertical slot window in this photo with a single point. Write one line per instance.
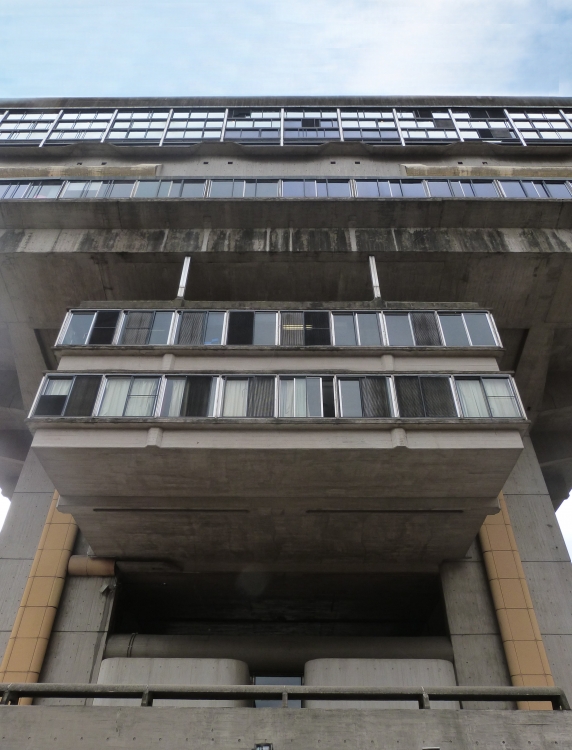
(53, 399)
(453, 329)
(317, 329)
(399, 331)
(240, 327)
(142, 396)
(292, 329)
(479, 329)
(472, 397)
(115, 396)
(103, 329)
(264, 329)
(160, 328)
(214, 329)
(368, 325)
(328, 398)
(173, 397)
(83, 395)
(261, 397)
(235, 397)
(78, 329)
(501, 398)
(197, 401)
(425, 329)
(344, 329)
(350, 398)
(191, 329)
(137, 327)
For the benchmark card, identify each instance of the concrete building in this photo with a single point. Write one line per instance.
(286, 401)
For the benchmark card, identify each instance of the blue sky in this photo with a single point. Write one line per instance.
(245, 47)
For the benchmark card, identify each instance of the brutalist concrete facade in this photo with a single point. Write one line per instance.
(357, 483)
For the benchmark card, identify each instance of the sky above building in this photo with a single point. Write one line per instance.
(225, 47)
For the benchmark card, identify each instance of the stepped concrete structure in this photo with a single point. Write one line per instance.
(285, 416)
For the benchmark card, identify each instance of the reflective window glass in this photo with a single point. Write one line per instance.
(141, 400)
(314, 397)
(173, 397)
(264, 329)
(413, 189)
(512, 189)
(479, 329)
(557, 190)
(367, 189)
(344, 329)
(350, 398)
(293, 189)
(221, 189)
(121, 190)
(213, 331)
(147, 189)
(534, 189)
(453, 329)
(485, 190)
(161, 326)
(78, 329)
(439, 188)
(368, 329)
(472, 397)
(193, 189)
(399, 330)
(500, 396)
(338, 189)
(266, 189)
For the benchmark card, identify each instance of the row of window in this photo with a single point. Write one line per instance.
(288, 396)
(283, 126)
(283, 188)
(271, 328)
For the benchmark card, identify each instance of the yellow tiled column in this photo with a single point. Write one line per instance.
(522, 640)
(30, 635)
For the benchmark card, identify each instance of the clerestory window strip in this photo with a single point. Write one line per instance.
(288, 396)
(286, 328)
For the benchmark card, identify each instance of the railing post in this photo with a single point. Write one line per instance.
(424, 701)
(147, 698)
(284, 700)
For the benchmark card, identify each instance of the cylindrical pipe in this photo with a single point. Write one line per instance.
(84, 565)
(277, 654)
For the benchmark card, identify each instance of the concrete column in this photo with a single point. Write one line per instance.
(545, 561)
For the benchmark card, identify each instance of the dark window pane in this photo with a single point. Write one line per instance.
(240, 327)
(425, 329)
(438, 397)
(344, 330)
(261, 397)
(439, 188)
(161, 327)
(313, 397)
(367, 189)
(350, 398)
(368, 329)
(479, 329)
(103, 330)
(147, 189)
(398, 330)
(82, 397)
(557, 189)
(375, 397)
(221, 189)
(50, 406)
(78, 329)
(512, 189)
(453, 329)
(409, 396)
(121, 190)
(213, 333)
(485, 190)
(413, 189)
(196, 397)
(193, 189)
(191, 328)
(292, 325)
(338, 189)
(293, 189)
(317, 329)
(328, 401)
(136, 328)
(264, 329)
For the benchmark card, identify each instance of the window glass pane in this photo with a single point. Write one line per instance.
(191, 329)
(51, 403)
(264, 329)
(193, 189)
(74, 189)
(472, 398)
(293, 189)
(49, 190)
(338, 189)
(235, 398)
(121, 190)
(161, 326)
(83, 396)
(375, 397)
(314, 397)
(142, 397)
(453, 329)
(96, 190)
(267, 189)
(299, 397)
(438, 397)
(439, 188)
(344, 330)
(317, 329)
(485, 190)
(114, 398)
(173, 397)
(367, 189)
(293, 397)
(147, 189)
(368, 329)
(292, 328)
(534, 189)
(500, 397)
(197, 396)
(479, 329)
(213, 333)
(384, 189)
(103, 329)
(78, 329)
(240, 327)
(328, 401)
(409, 396)
(261, 397)
(350, 398)
(136, 328)
(398, 330)
(512, 189)
(412, 189)
(221, 189)
(310, 190)
(425, 329)
(58, 387)
(557, 189)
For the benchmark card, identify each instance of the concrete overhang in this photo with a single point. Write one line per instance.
(245, 213)
(367, 493)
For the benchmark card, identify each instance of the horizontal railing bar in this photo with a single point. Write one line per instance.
(13, 691)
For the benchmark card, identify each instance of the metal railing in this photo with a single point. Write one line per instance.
(12, 692)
